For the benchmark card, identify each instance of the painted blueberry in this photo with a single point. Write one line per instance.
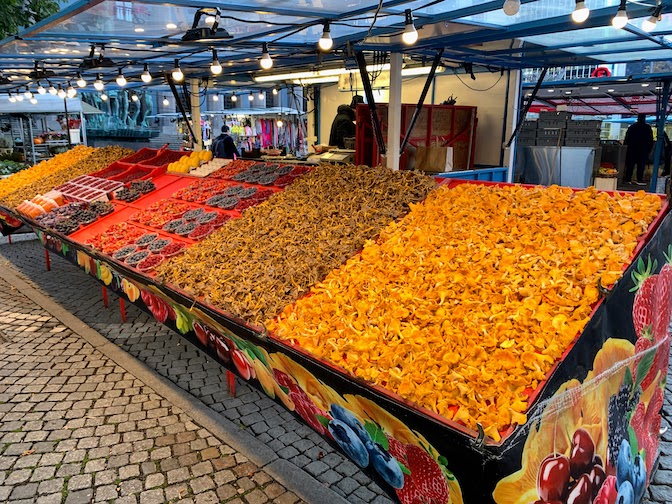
(626, 494)
(349, 442)
(639, 478)
(386, 465)
(345, 416)
(624, 464)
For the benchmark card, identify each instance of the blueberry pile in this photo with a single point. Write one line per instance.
(158, 245)
(124, 252)
(135, 189)
(146, 239)
(263, 174)
(68, 218)
(207, 217)
(173, 225)
(630, 476)
(135, 258)
(186, 228)
(228, 203)
(247, 192)
(192, 215)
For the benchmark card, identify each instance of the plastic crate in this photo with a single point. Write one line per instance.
(115, 169)
(583, 133)
(164, 158)
(549, 142)
(584, 125)
(549, 132)
(153, 171)
(489, 174)
(143, 154)
(525, 141)
(135, 173)
(582, 142)
(554, 116)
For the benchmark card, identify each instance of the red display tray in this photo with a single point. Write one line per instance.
(115, 169)
(143, 154)
(164, 158)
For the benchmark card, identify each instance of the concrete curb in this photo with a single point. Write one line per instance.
(293, 478)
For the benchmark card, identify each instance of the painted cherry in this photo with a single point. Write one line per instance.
(201, 333)
(553, 478)
(241, 363)
(597, 477)
(582, 493)
(583, 451)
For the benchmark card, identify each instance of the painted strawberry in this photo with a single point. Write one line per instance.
(645, 285)
(426, 484)
(397, 449)
(645, 422)
(662, 301)
(660, 359)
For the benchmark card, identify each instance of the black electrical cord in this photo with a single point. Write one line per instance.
(474, 89)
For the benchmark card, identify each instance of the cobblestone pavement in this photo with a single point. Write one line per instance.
(193, 371)
(77, 428)
(190, 369)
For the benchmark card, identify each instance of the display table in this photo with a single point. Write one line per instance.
(605, 379)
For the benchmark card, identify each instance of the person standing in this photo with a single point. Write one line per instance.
(639, 139)
(223, 146)
(343, 126)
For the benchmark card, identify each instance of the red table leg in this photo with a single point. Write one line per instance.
(47, 259)
(122, 307)
(231, 382)
(104, 295)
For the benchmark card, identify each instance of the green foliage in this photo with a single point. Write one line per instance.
(17, 14)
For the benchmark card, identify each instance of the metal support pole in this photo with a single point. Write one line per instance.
(394, 112)
(368, 90)
(421, 101)
(180, 105)
(527, 106)
(661, 116)
(67, 123)
(196, 114)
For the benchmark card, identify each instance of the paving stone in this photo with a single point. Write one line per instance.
(105, 493)
(202, 484)
(23, 491)
(152, 497)
(50, 486)
(80, 497)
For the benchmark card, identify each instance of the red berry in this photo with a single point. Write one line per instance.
(583, 450)
(553, 477)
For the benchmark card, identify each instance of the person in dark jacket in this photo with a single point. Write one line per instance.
(224, 146)
(639, 139)
(343, 126)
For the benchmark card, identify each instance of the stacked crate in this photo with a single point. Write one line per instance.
(528, 134)
(583, 134)
(551, 128)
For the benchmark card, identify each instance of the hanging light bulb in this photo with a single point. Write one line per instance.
(178, 76)
(279, 123)
(410, 35)
(581, 12)
(165, 102)
(19, 96)
(80, 81)
(71, 91)
(266, 61)
(650, 24)
(28, 94)
(234, 98)
(40, 88)
(12, 99)
(251, 96)
(61, 92)
(52, 89)
(103, 96)
(146, 76)
(33, 100)
(511, 7)
(98, 84)
(621, 17)
(121, 80)
(326, 42)
(210, 20)
(261, 95)
(134, 97)
(215, 97)
(275, 90)
(215, 66)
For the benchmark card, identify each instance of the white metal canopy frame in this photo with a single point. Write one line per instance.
(117, 43)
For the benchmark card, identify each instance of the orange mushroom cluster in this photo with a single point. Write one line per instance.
(465, 304)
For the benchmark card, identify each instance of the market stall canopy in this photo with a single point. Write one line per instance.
(108, 36)
(47, 104)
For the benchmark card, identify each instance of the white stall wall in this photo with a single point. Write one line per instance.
(487, 93)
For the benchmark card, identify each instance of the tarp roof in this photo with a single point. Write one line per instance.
(47, 104)
(471, 31)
